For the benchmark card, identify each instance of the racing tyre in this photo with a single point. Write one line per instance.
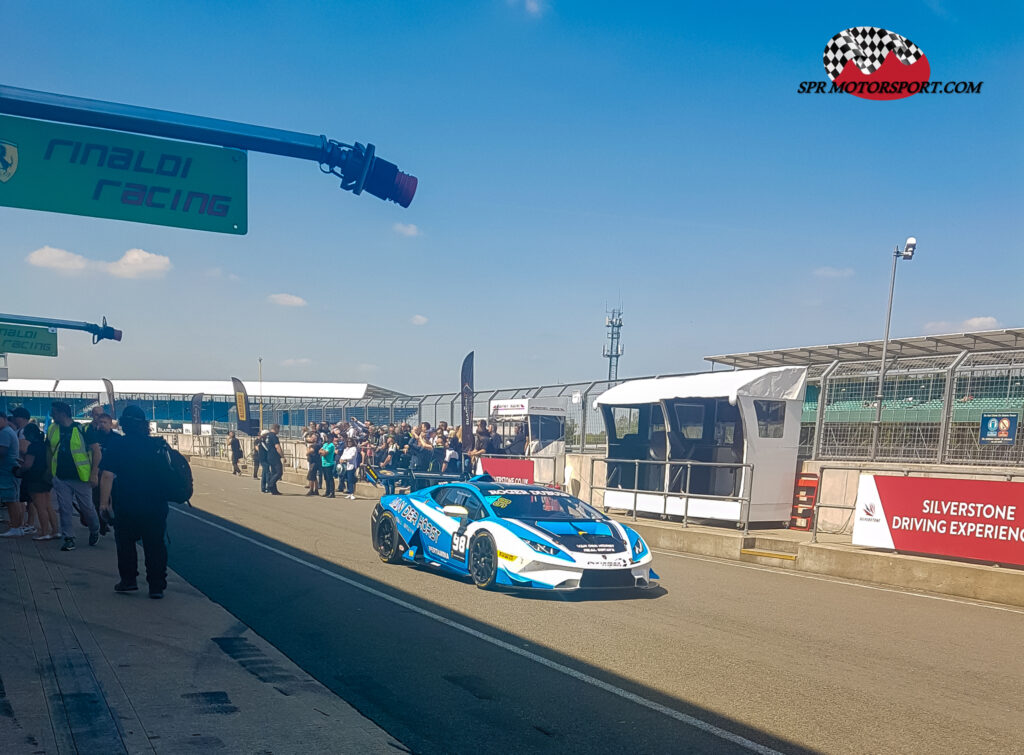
(386, 539)
(483, 561)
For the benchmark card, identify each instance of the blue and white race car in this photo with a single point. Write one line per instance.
(510, 535)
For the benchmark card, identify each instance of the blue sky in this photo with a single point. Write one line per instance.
(570, 154)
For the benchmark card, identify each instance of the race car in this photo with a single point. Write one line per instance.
(509, 535)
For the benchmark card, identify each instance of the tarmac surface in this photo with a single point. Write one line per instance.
(724, 657)
(83, 670)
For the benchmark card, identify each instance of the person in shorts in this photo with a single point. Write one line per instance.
(37, 483)
(10, 489)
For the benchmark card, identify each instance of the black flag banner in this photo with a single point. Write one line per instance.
(197, 414)
(245, 420)
(109, 388)
(468, 395)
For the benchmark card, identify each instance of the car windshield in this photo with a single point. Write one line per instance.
(539, 504)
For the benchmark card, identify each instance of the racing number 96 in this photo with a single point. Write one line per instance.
(459, 543)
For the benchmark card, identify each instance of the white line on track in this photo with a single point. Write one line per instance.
(696, 723)
(848, 583)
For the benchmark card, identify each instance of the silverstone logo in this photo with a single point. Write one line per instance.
(878, 64)
(869, 509)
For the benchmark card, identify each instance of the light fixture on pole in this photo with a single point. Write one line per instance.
(259, 372)
(907, 253)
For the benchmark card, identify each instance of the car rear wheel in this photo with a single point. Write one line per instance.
(386, 539)
(483, 561)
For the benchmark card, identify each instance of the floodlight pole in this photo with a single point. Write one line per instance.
(877, 424)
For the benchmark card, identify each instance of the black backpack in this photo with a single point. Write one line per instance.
(175, 474)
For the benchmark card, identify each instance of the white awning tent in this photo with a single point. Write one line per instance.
(784, 383)
(772, 455)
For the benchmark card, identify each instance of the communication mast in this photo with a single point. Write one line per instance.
(613, 349)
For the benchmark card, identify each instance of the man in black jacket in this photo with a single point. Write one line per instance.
(275, 460)
(235, 451)
(130, 485)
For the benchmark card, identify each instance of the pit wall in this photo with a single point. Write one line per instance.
(838, 485)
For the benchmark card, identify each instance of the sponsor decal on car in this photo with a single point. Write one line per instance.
(427, 528)
(614, 562)
(396, 505)
(529, 491)
(459, 543)
(436, 551)
(411, 515)
(594, 547)
(507, 556)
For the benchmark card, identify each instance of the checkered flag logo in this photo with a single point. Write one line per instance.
(867, 47)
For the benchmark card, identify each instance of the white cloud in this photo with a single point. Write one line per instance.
(297, 362)
(533, 8)
(406, 229)
(135, 263)
(833, 272)
(138, 263)
(218, 272)
(418, 320)
(287, 300)
(970, 325)
(63, 261)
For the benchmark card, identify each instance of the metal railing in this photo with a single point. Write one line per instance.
(1007, 475)
(744, 481)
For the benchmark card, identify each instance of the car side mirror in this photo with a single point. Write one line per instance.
(456, 512)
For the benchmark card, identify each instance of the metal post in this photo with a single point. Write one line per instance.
(876, 427)
(819, 420)
(948, 397)
(636, 487)
(259, 370)
(583, 418)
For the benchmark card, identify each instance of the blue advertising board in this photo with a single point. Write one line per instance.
(998, 429)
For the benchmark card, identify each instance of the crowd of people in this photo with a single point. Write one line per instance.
(339, 454)
(105, 477)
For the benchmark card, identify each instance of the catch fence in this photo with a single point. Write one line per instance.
(934, 409)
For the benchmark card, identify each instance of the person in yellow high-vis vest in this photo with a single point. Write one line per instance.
(75, 470)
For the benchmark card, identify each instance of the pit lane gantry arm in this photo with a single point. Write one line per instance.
(99, 332)
(357, 165)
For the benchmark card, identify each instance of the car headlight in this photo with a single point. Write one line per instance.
(542, 548)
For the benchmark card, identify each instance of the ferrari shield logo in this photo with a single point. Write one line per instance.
(8, 161)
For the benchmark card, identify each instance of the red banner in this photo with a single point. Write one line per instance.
(517, 471)
(976, 519)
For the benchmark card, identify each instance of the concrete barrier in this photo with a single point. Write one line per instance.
(977, 581)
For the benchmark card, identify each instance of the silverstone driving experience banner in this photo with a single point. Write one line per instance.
(976, 519)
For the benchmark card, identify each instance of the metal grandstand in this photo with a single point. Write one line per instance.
(937, 389)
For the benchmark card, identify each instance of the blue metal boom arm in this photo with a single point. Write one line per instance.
(99, 332)
(356, 165)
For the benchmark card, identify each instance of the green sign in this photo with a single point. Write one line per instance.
(27, 339)
(110, 174)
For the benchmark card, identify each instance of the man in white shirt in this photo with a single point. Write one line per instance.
(349, 463)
